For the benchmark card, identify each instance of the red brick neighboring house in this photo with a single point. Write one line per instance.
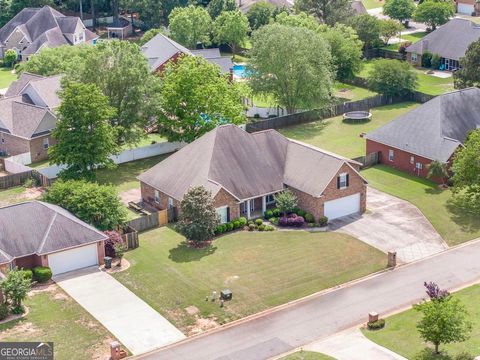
(433, 131)
(27, 116)
(468, 7)
(41, 234)
(161, 49)
(244, 171)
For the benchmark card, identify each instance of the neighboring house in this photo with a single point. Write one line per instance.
(468, 7)
(27, 116)
(359, 8)
(433, 131)
(41, 234)
(119, 29)
(450, 41)
(244, 171)
(33, 29)
(161, 49)
(245, 5)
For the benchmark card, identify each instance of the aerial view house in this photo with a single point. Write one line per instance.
(33, 29)
(244, 171)
(433, 131)
(27, 116)
(450, 41)
(468, 7)
(41, 234)
(161, 49)
(119, 29)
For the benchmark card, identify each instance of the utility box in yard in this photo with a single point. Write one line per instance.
(226, 294)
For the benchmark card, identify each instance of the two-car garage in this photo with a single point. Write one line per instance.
(73, 259)
(343, 206)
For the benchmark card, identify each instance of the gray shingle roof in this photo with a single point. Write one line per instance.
(450, 40)
(245, 5)
(42, 27)
(17, 86)
(48, 88)
(41, 228)
(435, 129)
(161, 48)
(246, 165)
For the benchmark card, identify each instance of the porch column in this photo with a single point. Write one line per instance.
(248, 209)
(264, 204)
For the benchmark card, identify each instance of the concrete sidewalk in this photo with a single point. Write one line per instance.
(352, 345)
(132, 321)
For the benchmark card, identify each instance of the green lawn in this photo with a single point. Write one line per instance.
(6, 77)
(412, 38)
(451, 222)
(148, 140)
(401, 336)
(17, 194)
(55, 317)
(427, 84)
(372, 4)
(307, 355)
(261, 269)
(123, 177)
(344, 138)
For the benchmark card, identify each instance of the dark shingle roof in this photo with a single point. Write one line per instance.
(17, 86)
(435, 129)
(213, 56)
(246, 165)
(450, 40)
(41, 228)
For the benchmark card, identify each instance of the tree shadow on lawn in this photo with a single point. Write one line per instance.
(462, 215)
(429, 354)
(186, 253)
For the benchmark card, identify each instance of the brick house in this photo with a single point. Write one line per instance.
(433, 131)
(161, 49)
(468, 7)
(40, 234)
(33, 29)
(244, 171)
(449, 41)
(27, 116)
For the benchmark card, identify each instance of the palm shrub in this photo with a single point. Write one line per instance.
(437, 169)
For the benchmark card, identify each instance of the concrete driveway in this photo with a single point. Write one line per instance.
(131, 320)
(392, 224)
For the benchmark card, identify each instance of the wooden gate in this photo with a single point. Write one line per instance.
(162, 217)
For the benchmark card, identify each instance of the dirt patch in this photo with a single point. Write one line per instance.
(32, 193)
(21, 329)
(102, 351)
(192, 310)
(61, 296)
(201, 325)
(40, 288)
(130, 195)
(231, 279)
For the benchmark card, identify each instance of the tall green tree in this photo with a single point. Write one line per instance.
(18, 5)
(300, 19)
(97, 205)
(286, 201)
(216, 7)
(328, 12)
(293, 65)
(5, 11)
(123, 75)
(259, 14)
(468, 74)
(196, 98)
(466, 170)
(155, 13)
(434, 13)
(401, 10)
(389, 28)
(368, 29)
(84, 137)
(392, 77)
(15, 288)
(10, 57)
(190, 26)
(231, 28)
(444, 321)
(198, 217)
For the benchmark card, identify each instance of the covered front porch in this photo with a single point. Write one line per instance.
(255, 208)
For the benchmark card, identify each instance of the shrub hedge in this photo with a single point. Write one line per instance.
(376, 325)
(42, 273)
(3, 311)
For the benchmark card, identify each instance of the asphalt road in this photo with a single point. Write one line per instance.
(326, 314)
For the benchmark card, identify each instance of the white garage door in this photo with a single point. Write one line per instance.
(342, 207)
(466, 9)
(73, 259)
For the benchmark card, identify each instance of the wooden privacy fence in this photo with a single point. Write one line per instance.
(367, 160)
(320, 114)
(155, 219)
(130, 238)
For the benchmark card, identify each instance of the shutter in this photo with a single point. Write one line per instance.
(338, 182)
(228, 214)
(348, 180)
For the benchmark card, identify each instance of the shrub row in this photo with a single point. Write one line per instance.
(42, 274)
(292, 220)
(275, 213)
(232, 225)
(259, 225)
(376, 325)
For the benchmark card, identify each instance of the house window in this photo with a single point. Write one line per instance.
(391, 155)
(223, 214)
(157, 196)
(45, 143)
(269, 199)
(414, 57)
(412, 160)
(342, 181)
(419, 165)
(170, 203)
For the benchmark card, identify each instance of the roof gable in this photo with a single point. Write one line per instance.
(160, 49)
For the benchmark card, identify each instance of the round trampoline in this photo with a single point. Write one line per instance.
(357, 116)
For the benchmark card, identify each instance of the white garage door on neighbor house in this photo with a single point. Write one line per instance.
(73, 259)
(342, 207)
(466, 9)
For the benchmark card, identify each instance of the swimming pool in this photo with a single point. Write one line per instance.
(240, 70)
